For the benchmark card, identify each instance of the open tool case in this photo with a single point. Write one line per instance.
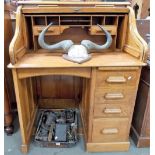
(56, 128)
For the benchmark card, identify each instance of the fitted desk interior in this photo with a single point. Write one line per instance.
(109, 80)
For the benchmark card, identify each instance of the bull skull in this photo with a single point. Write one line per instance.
(75, 53)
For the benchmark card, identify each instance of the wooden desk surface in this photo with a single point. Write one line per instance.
(55, 60)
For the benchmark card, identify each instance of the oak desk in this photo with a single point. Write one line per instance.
(110, 78)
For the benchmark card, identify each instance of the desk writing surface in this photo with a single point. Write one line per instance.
(55, 60)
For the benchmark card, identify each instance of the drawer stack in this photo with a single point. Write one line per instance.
(114, 100)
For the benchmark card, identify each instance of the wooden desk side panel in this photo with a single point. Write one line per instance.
(19, 41)
(86, 107)
(134, 43)
(26, 108)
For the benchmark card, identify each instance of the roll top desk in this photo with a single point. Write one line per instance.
(109, 80)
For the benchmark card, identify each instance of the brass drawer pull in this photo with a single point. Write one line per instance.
(109, 131)
(112, 111)
(116, 79)
(110, 96)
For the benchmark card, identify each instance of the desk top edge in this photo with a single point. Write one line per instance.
(55, 60)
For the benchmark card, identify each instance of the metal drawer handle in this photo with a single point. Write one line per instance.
(109, 131)
(116, 79)
(112, 111)
(110, 96)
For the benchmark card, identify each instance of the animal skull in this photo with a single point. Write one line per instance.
(75, 53)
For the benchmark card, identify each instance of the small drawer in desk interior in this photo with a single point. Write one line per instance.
(53, 30)
(106, 78)
(110, 130)
(112, 110)
(115, 96)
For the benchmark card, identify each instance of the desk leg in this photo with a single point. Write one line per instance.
(26, 108)
(86, 106)
(91, 103)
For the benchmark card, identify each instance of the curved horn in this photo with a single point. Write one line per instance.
(91, 45)
(65, 44)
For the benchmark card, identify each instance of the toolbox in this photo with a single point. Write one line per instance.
(56, 128)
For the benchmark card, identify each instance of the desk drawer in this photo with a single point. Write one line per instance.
(112, 110)
(53, 30)
(117, 78)
(110, 130)
(115, 96)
